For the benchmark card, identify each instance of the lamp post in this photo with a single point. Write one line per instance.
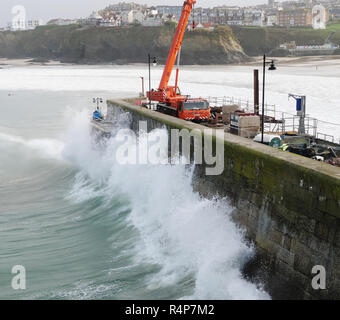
(143, 92)
(271, 68)
(97, 114)
(98, 101)
(154, 62)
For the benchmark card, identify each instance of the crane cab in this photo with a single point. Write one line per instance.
(194, 110)
(197, 110)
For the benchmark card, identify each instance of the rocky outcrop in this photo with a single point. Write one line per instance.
(120, 45)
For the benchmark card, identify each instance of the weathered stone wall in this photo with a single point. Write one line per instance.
(289, 205)
(293, 215)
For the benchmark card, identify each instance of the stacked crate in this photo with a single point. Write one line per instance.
(227, 111)
(249, 126)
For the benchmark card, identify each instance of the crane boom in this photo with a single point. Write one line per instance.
(176, 43)
(170, 99)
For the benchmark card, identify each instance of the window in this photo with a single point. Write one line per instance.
(196, 105)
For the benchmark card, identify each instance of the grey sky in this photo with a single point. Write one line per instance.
(48, 9)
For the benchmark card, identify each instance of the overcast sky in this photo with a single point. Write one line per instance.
(48, 9)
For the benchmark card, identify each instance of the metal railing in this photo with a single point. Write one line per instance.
(292, 123)
(326, 137)
(244, 104)
(284, 121)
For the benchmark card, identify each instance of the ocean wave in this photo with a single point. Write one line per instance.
(45, 148)
(197, 248)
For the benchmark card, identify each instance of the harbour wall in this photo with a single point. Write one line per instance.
(288, 204)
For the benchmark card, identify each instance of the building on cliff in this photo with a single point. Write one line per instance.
(126, 6)
(62, 22)
(17, 25)
(295, 18)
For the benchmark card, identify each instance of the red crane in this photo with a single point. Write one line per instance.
(170, 100)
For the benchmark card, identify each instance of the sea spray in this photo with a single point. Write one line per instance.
(192, 241)
(44, 148)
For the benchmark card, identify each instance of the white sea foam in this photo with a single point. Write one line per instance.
(44, 148)
(189, 237)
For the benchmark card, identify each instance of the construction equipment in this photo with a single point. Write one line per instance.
(169, 98)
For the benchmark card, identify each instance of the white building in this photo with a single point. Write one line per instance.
(271, 20)
(62, 22)
(252, 17)
(17, 25)
(135, 16)
(95, 15)
(170, 10)
(124, 17)
(126, 6)
(152, 21)
(32, 24)
(94, 19)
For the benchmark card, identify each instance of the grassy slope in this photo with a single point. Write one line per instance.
(256, 40)
(334, 27)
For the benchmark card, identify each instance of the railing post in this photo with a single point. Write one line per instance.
(316, 127)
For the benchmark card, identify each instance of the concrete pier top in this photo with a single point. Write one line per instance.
(320, 167)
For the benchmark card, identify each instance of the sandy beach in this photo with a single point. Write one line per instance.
(255, 61)
(306, 60)
(27, 62)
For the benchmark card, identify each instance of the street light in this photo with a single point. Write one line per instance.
(97, 114)
(272, 67)
(154, 62)
(98, 101)
(143, 93)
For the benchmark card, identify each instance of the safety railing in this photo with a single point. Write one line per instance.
(282, 121)
(326, 137)
(247, 105)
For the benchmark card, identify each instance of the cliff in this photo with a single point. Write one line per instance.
(120, 45)
(257, 40)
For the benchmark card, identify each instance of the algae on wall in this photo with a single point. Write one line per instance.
(120, 44)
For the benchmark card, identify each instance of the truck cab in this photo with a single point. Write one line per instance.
(194, 110)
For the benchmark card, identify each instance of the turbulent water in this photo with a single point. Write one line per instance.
(85, 227)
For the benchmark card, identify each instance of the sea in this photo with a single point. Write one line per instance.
(85, 227)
